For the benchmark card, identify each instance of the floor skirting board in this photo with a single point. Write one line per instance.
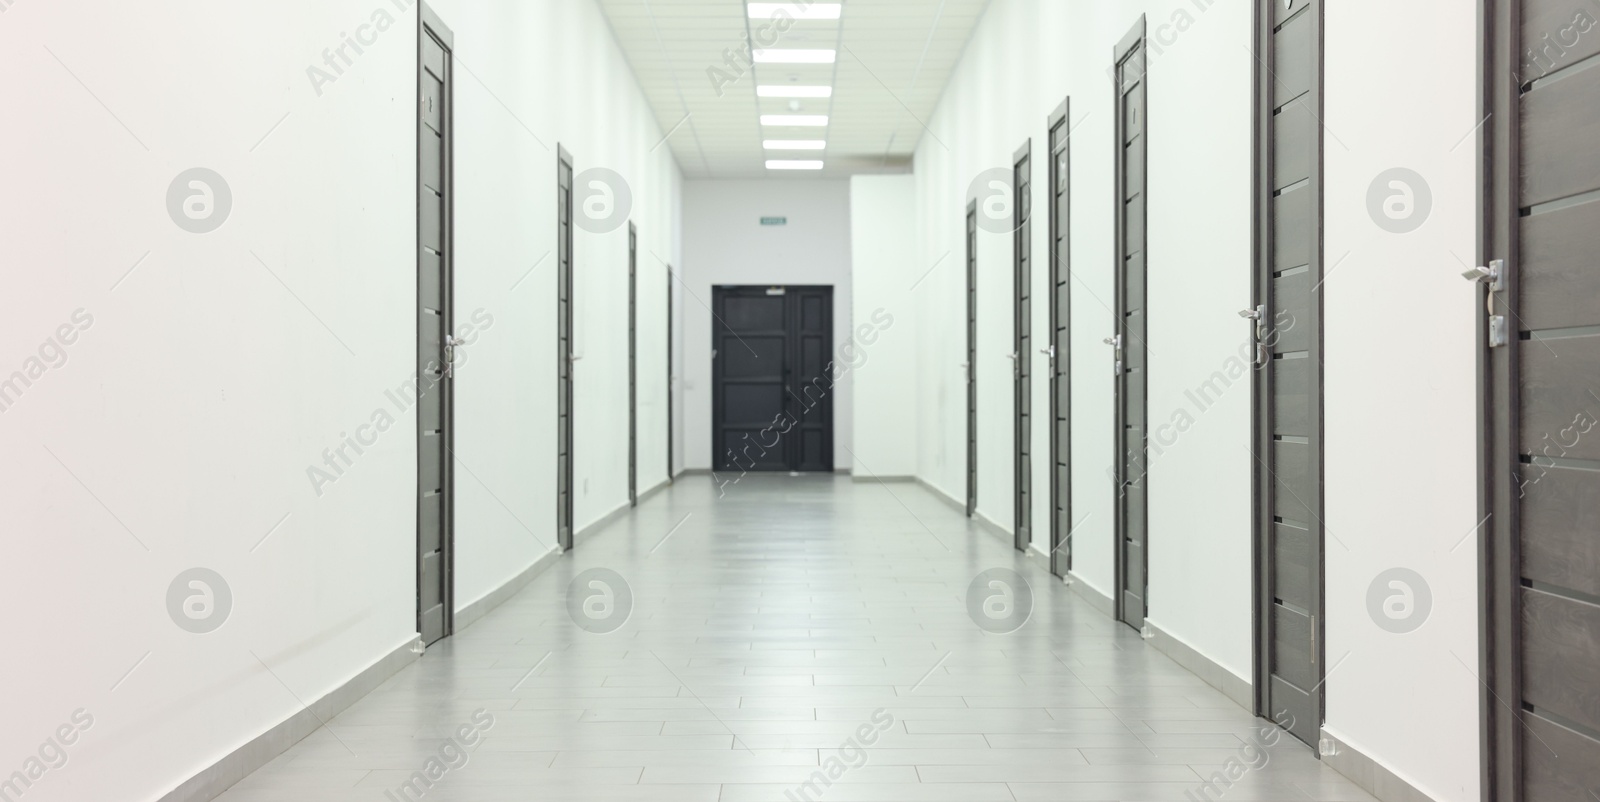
(602, 522)
(660, 486)
(238, 764)
(1362, 770)
(1237, 688)
(1095, 598)
(261, 750)
(467, 616)
(943, 496)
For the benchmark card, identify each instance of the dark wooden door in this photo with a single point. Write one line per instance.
(1059, 351)
(1131, 355)
(1540, 351)
(566, 361)
(772, 378)
(1022, 356)
(971, 365)
(1287, 325)
(435, 344)
(633, 365)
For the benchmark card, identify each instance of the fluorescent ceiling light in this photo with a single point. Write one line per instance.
(805, 120)
(795, 144)
(793, 164)
(794, 91)
(794, 10)
(787, 55)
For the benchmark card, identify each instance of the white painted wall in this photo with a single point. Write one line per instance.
(1404, 700)
(883, 229)
(1400, 429)
(179, 431)
(725, 243)
(1025, 57)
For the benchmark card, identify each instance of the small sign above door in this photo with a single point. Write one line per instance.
(774, 221)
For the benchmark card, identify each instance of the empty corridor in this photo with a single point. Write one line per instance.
(787, 634)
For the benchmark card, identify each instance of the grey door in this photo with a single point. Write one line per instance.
(1286, 323)
(1130, 358)
(633, 365)
(565, 361)
(1539, 341)
(772, 387)
(672, 379)
(435, 347)
(1059, 350)
(1022, 357)
(971, 365)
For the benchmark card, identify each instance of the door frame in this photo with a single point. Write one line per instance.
(633, 365)
(564, 349)
(1263, 481)
(429, 24)
(1499, 369)
(1133, 41)
(972, 357)
(1060, 300)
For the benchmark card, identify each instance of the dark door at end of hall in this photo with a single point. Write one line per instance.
(772, 378)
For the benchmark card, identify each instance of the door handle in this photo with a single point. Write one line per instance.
(1495, 275)
(1259, 316)
(1116, 344)
(450, 344)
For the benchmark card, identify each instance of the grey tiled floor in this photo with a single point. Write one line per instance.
(775, 624)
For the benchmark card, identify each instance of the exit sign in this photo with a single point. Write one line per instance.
(774, 221)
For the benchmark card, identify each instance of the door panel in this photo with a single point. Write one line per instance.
(1287, 331)
(1559, 279)
(1130, 359)
(633, 365)
(1541, 553)
(1559, 508)
(772, 402)
(435, 319)
(1022, 344)
(971, 365)
(565, 363)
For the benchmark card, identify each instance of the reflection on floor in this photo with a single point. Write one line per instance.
(798, 638)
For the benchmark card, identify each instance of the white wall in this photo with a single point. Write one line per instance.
(1400, 419)
(184, 420)
(1404, 700)
(725, 243)
(883, 228)
(1025, 57)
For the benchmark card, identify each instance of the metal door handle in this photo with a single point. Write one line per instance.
(1049, 352)
(1259, 315)
(1116, 344)
(1494, 274)
(450, 344)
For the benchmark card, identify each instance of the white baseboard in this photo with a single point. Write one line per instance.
(469, 615)
(1232, 685)
(1372, 776)
(211, 781)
